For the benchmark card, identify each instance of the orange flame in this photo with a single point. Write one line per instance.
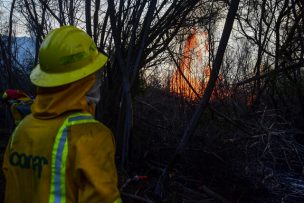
(187, 75)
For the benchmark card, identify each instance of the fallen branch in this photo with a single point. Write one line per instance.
(136, 197)
(213, 194)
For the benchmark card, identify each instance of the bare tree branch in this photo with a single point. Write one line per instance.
(160, 189)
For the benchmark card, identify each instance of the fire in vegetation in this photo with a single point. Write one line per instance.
(193, 73)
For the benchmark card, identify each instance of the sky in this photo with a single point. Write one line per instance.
(19, 27)
(5, 6)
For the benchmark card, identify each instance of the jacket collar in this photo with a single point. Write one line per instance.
(55, 101)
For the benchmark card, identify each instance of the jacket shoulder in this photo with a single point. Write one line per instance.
(96, 131)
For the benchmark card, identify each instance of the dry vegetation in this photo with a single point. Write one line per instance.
(246, 144)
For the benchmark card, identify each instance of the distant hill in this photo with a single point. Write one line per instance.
(25, 50)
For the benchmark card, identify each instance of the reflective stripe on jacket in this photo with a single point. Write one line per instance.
(59, 156)
(54, 174)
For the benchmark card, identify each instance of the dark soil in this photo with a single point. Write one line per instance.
(221, 162)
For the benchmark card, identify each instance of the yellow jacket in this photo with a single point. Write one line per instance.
(59, 153)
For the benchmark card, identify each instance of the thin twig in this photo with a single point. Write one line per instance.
(136, 197)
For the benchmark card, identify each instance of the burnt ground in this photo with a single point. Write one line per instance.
(6, 126)
(3, 141)
(262, 162)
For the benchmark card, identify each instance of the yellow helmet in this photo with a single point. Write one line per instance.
(67, 54)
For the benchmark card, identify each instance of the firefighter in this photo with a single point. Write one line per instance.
(18, 102)
(60, 153)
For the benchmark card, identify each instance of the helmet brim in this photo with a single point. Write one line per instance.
(45, 79)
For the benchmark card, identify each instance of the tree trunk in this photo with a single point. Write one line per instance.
(160, 190)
